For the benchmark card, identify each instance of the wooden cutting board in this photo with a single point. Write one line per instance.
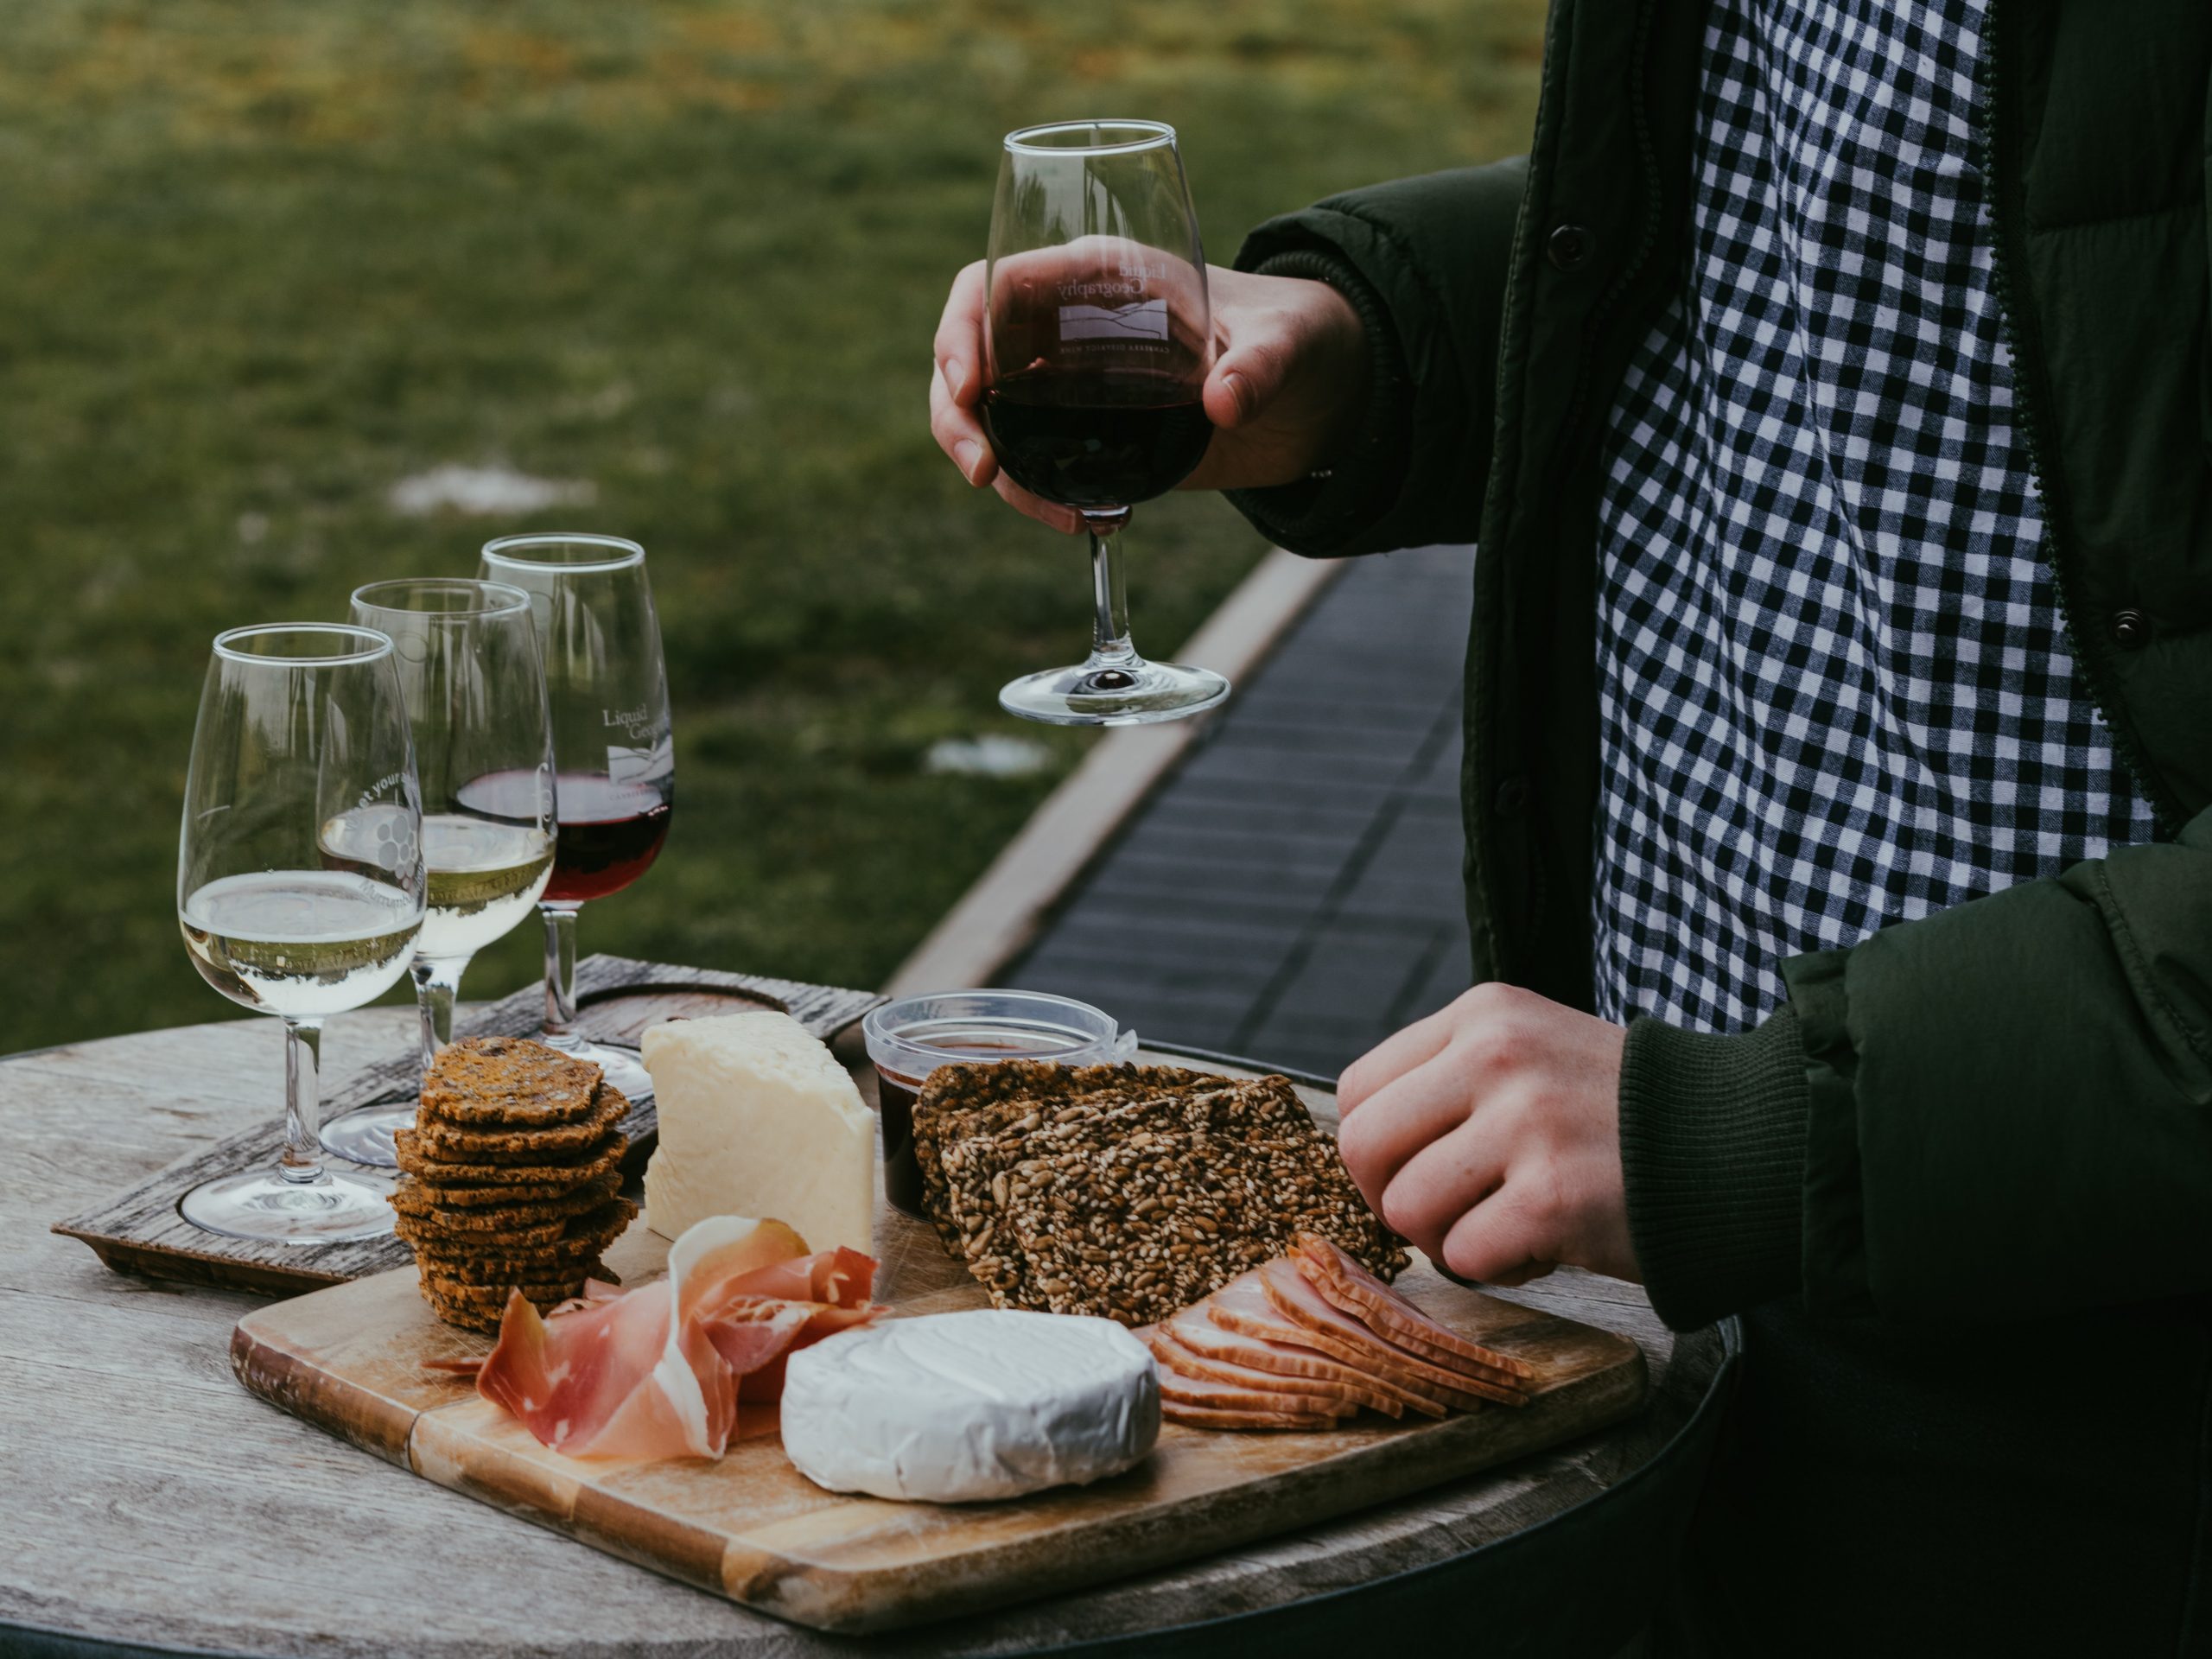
(751, 1527)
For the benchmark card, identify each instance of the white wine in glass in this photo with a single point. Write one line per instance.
(299, 723)
(475, 694)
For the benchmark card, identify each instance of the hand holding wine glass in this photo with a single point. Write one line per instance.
(607, 690)
(1289, 382)
(300, 725)
(469, 668)
(1097, 340)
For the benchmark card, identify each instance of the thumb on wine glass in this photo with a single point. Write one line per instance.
(1244, 381)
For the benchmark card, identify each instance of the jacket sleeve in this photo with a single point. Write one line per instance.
(1424, 262)
(2015, 1094)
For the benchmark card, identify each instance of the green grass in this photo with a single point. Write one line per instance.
(260, 264)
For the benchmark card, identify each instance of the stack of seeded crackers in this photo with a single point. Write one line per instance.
(1129, 1191)
(511, 1178)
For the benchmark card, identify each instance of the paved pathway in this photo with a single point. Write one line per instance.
(1293, 892)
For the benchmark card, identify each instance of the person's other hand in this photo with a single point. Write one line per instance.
(1489, 1134)
(1289, 378)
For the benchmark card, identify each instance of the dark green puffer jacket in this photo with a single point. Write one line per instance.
(2016, 1094)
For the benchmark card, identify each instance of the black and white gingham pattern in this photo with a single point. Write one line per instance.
(1835, 689)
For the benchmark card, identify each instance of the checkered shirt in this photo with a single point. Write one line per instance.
(1835, 688)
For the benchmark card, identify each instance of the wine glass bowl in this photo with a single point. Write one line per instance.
(1098, 341)
(300, 725)
(607, 691)
(467, 655)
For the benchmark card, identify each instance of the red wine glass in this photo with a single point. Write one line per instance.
(1098, 342)
(614, 783)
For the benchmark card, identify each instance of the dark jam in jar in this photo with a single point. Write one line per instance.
(895, 1096)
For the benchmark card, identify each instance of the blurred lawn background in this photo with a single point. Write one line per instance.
(259, 265)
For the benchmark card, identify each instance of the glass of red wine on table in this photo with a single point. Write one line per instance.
(615, 783)
(1098, 339)
(468, 660)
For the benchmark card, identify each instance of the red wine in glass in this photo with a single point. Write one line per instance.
(613, 753)
(1097, 439)
(1098, 341)
(610, 832)
(610, 835)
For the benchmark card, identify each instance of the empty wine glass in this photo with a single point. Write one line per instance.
(469, 668)
(607, 690)
(299, 724)
(1098, 343)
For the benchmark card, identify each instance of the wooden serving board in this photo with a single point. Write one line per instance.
(140, 1230)
(751, 1527)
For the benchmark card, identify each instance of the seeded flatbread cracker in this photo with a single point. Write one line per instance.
(595, 1228)
(597, 1158)
(422, 1206)
(503, 1270)
(1129, 1192)
(486, 1081)
(464, 1255)
(467, 1318)
(494, 1296)
(1005, 1096)
(556, 1183)
(439, 1142)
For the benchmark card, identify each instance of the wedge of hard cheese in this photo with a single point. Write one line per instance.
(758, 1118)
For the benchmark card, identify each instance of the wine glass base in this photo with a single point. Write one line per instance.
(1131, 692)
(262, 1205)
(624, 1069)
(365, 1135)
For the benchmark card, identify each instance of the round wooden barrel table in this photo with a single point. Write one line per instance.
(154, 1505)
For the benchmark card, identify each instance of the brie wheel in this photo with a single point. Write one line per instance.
(948, 1407)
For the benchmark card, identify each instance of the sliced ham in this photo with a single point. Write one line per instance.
(1329, 1328)
(1243, 1305)
(659, 1371)
(1173, 1356)
(1201, 1417)
(1212, 1393)
(1354, 1290)
(1196, 1329)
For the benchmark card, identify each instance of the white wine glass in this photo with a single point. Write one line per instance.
(299, 723)
(613, 746)
(475, 694)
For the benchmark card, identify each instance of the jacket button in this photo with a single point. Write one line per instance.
(1513, 797)
(2131, 628)
(1567, 247)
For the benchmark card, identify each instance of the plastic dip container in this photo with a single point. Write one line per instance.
(911, 1037)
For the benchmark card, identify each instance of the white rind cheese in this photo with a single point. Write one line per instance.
(757, 1118)
(950, 1407)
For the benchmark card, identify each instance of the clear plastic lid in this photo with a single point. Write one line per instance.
(911, 1037)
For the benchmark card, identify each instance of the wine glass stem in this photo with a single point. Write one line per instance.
(560, 968)
(436, 986)
(1109, 628)
(301, 1163)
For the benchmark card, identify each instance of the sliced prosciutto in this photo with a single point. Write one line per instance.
(1329, 1328)
(659, 1371)
(1342, 1281)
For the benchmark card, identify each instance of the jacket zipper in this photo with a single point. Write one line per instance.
(1648, 239)
(2089, 658)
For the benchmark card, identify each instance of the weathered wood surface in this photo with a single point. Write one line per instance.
(353, 1358)
(140, 1230)
(153, 1500)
